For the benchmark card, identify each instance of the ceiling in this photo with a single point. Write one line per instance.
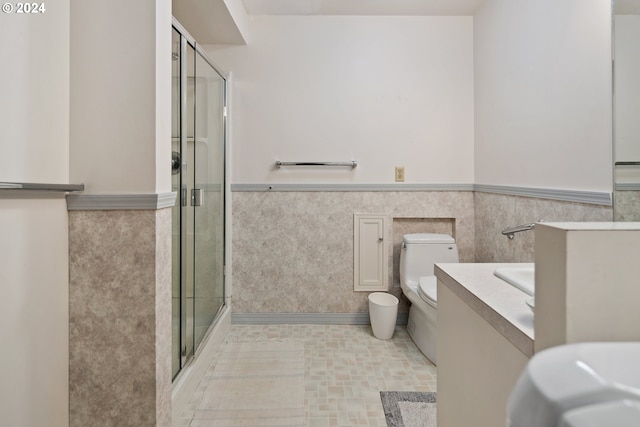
(386, 7)
(214, 22)
(362, 7)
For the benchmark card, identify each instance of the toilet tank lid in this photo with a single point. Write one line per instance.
(428, 238)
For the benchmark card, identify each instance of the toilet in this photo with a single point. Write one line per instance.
(418, 255)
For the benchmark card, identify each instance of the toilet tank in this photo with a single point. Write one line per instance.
(421, 251)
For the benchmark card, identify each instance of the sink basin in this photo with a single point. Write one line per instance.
(520, 277)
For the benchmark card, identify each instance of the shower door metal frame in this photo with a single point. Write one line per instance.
(187, 41)
(184, 353)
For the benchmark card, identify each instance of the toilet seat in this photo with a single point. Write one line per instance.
(428, 290)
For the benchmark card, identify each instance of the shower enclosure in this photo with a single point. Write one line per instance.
(198, 171)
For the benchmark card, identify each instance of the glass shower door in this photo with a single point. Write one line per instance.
(208, 195)
(183, 131)
(176, 214)
(198, 162)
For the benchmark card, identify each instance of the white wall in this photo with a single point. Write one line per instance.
(543, 94)
(34, 275)
(385, 91)
(34, 106)
(627, 87)
(120, 96)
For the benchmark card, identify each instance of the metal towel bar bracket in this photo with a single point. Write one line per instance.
(352, 164)
(509, 232)
(40, 187)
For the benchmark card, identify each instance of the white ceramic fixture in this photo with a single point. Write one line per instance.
(420, 252)
(567, 378)
(622, 413)
(522, 278)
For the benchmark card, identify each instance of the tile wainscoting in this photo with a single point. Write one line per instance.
(627, 205)
(495, 212)
(293, 250)
(120, 317)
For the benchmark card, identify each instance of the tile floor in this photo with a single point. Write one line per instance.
(345, 368)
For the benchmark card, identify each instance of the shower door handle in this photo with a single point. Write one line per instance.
(197, 197)
(183, 197)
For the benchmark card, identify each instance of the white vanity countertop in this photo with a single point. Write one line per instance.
(496, 301)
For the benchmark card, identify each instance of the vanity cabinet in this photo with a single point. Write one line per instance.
(477, 368)
(485, 339)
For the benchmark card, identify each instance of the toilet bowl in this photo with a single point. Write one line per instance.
(579, 384)
(419, 254)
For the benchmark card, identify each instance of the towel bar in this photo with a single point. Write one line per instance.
(40, 187)
(352, 164)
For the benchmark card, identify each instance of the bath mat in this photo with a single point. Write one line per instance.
(409, 408)
(255, 383)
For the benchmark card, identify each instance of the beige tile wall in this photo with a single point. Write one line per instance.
(120, 318)
(293, 251)
(495, 212)
(627, 205)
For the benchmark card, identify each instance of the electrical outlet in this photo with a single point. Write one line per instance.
(399, 173)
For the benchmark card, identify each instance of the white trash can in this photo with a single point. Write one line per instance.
(383, 312)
